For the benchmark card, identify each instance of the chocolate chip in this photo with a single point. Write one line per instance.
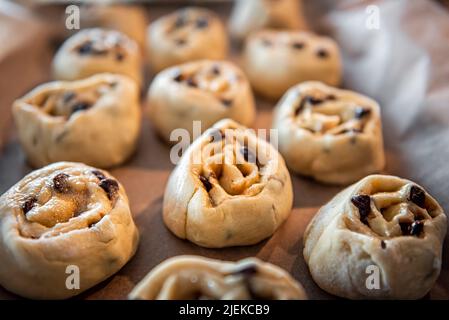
(180, 42)
(322, 53)
(191, 82)
(383, 244)
(178, 77)
(416, 228)
(227, 102)
(248, 155)
(180, 21)
(28, 204)
(206, 183)
(298, 45)
(202, 23)
(110, 186)
(363, 204)
(417, 196)
(267, 42)
(405, 228)
(100, 175)
(119, 56)
(81, 106)
(350, 131)
(307, 99)
(247, 271)
(216, 70)
(61, 183)
(361, 112)
(86, 48)
(68, 96)
(331, 97)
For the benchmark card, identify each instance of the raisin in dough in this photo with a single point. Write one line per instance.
(92, 51)
(332, 135)
(251, 15)
(128, 19)
(205, 91)
(63, 215)
(276, 60)
(185, 35)
(382, 221)
(194, 277)
(230, 188)
(95, 121)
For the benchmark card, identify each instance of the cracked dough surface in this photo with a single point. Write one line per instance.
(63, 214)
(384, 221)
(194, 277)
(185, 35)
(206, 91)
(230, 188)
(94, 121)
(251, 15)
(96, 50)
(332, 135)
(277, 60)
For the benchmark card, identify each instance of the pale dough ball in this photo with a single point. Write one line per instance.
(95, 121)
(194, 277)
(251, 15)
(185, 35)
(332, 135)
(276, 60)
(92, 51)
(128, 19)
(64, 220)
(206, 91)
(230, 188)
(380, 238)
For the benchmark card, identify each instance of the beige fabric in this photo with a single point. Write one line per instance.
(95, 121)
(400, 231)
(206, 91)
(61, 215)
(251, 15)
(276, 60)
(184, 35)
(230, 188)
(92, 51)
(194, 277)
(332, 135)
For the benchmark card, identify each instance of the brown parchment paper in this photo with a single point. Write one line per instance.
(404, 65)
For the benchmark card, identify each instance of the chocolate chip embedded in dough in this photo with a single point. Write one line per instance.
(110, 186)
(119, 56)
(363, 204)
(322, 53)
(28, 204)
(361, 112)
(100, 175)
(180, 42)
(86, 48)
(68, 96)
(207, 185)
(180, 21)
(417, 196)
(383, 244)
(416, 228)
(61, 183)
(178, 76)
(191, 82)
(248, 270)
(216, 70)
(227, 102)
(298, 45)
(81, 106)
(248, 155)
(202, 23)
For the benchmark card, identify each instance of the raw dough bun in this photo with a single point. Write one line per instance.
(230, 188)
(64, 215)
(95, 121)
(92, 51)
(276, 60)
(185, 35)
(251, 15)
(332, 135)
(384, 222)
(205, 91)
(128, 19)
(194, 277)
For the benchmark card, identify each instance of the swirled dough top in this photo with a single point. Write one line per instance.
(192, 277)
(69, 199)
